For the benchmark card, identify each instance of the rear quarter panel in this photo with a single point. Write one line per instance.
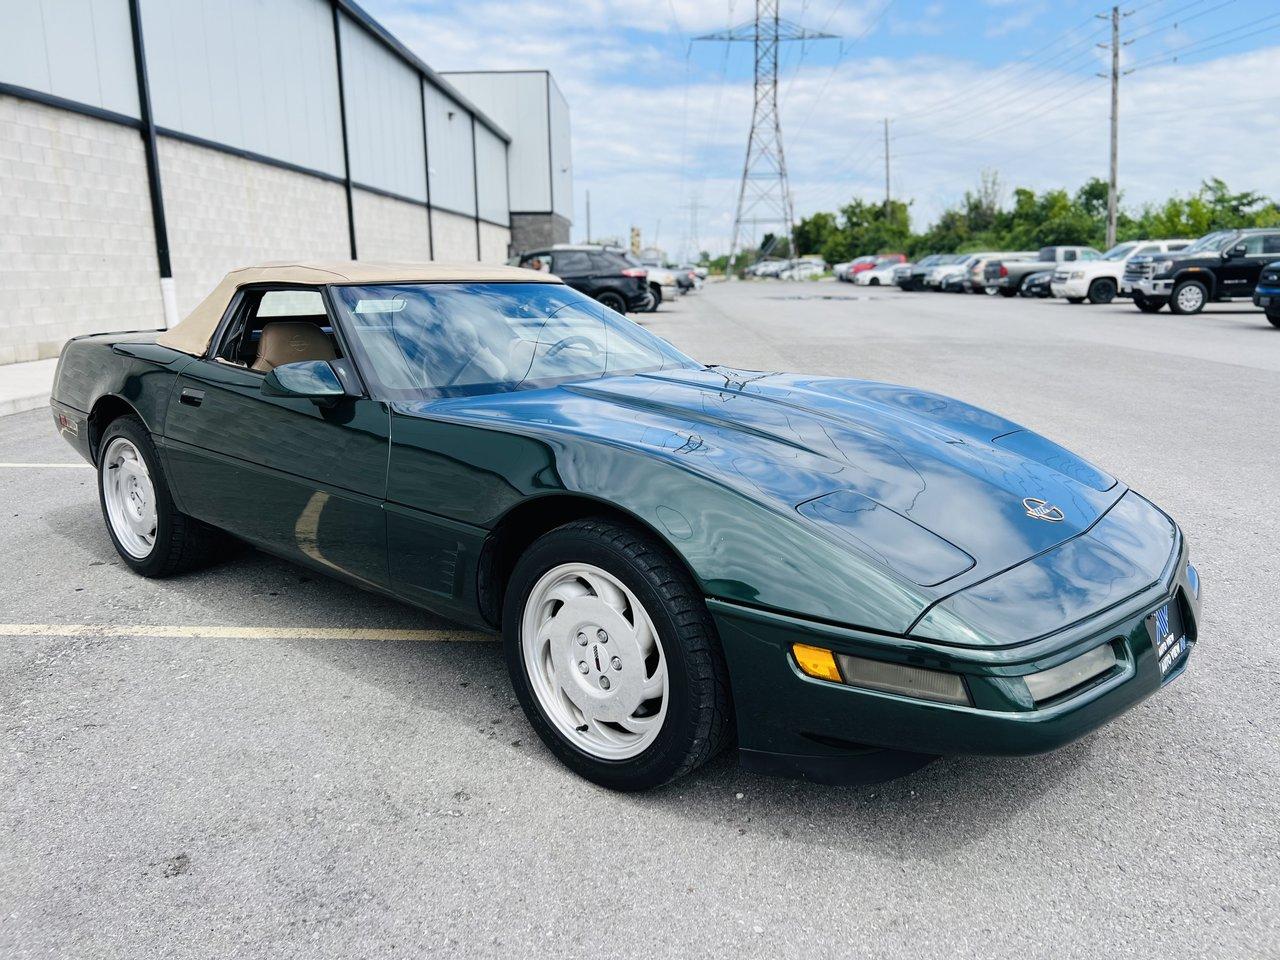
(126, 367)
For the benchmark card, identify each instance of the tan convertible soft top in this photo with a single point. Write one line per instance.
(192, 334)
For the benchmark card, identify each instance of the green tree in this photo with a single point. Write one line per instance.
(983, 220)
(812, 233)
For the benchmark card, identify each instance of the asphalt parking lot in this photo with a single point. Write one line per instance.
(232, 764)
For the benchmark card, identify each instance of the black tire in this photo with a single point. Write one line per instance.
(1075, 299)
(655, 295)
(699, 718)
(613, 301)
(1008, 291)
(1102, 290)
(1195, 291)
(1148, 304)
(1273, 314)
(182, 543)
(873, 282)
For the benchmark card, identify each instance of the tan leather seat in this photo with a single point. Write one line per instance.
(289, 341)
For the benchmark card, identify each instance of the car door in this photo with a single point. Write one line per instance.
(1260, 250)
(299, 478)
(574, 268)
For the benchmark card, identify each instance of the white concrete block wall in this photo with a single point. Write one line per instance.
(389, 229)
(494, 241)
(454, 236)
(77, 249)
(225, 212)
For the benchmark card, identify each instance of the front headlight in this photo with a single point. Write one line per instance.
(917, 682)
(1077, 274)
(1163, 266)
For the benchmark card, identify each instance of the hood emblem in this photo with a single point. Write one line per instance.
(1037, 509)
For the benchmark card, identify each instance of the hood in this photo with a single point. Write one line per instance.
(940, 492)
(1093, 268)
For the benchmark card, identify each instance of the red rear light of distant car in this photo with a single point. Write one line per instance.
(635, 272)
(1004, 271)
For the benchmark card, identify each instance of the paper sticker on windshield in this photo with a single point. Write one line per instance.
(381, 306)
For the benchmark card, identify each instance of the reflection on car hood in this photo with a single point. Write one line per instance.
(931, 487)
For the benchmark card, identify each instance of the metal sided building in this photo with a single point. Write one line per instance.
(529, 105)
(149, 146)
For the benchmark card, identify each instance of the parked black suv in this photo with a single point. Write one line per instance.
(1218, 266)
(1267, 293)
(597, 272)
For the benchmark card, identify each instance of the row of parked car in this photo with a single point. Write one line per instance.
(614, 275)
(798, 268)
(1183, 274)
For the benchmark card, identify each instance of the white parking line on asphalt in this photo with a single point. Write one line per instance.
(41, 466)
(239, 633)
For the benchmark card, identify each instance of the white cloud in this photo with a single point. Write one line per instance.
(1005, 23)
(645, 143)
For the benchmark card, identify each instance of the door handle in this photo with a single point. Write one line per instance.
(192, 398)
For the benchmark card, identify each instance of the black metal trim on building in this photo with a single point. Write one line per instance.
(475, 184)
(71, 106)
(389, 194)
(148, 131)
(171, 134)
(342, 121)
(551, 161)
(465, 214)
(426, 167)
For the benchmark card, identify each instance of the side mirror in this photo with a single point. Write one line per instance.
(305, 380)
(1239, 250)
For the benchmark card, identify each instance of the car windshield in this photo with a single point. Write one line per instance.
(1120, 251)
(425, 340)
(1211, 242)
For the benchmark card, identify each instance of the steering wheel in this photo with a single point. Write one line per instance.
(576, 340)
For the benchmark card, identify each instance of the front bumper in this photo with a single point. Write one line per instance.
(790, 723)
(1150, 287)
(1070, 288)
(1266, 297)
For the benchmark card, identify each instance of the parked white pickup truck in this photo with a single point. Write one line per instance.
(1099, 281)
(1007, 275)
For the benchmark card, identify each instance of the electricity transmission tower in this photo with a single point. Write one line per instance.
(764, 198)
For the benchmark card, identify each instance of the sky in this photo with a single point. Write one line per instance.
(660, 121)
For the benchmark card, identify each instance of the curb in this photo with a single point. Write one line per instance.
(11, 405)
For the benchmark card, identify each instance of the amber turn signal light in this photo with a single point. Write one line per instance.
(816, 662)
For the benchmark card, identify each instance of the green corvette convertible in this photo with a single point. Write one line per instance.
(844, 578)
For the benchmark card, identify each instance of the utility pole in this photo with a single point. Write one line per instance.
(1114, 46)
(886, 168)
(763, 195)
(690, 238)
(588, 216)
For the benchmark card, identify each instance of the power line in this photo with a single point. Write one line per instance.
(993, 79)
(844, 48)
(1176, 24)
(1199, 46)
(1045, 83)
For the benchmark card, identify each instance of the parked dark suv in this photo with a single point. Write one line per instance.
(1218, 266)
(1267, 293)
(597, 272)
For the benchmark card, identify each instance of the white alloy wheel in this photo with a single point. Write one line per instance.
(594, 661)
(130, 497)
(1190, 298)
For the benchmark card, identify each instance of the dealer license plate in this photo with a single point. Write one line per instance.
(1265, 301)
(1170, 636)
